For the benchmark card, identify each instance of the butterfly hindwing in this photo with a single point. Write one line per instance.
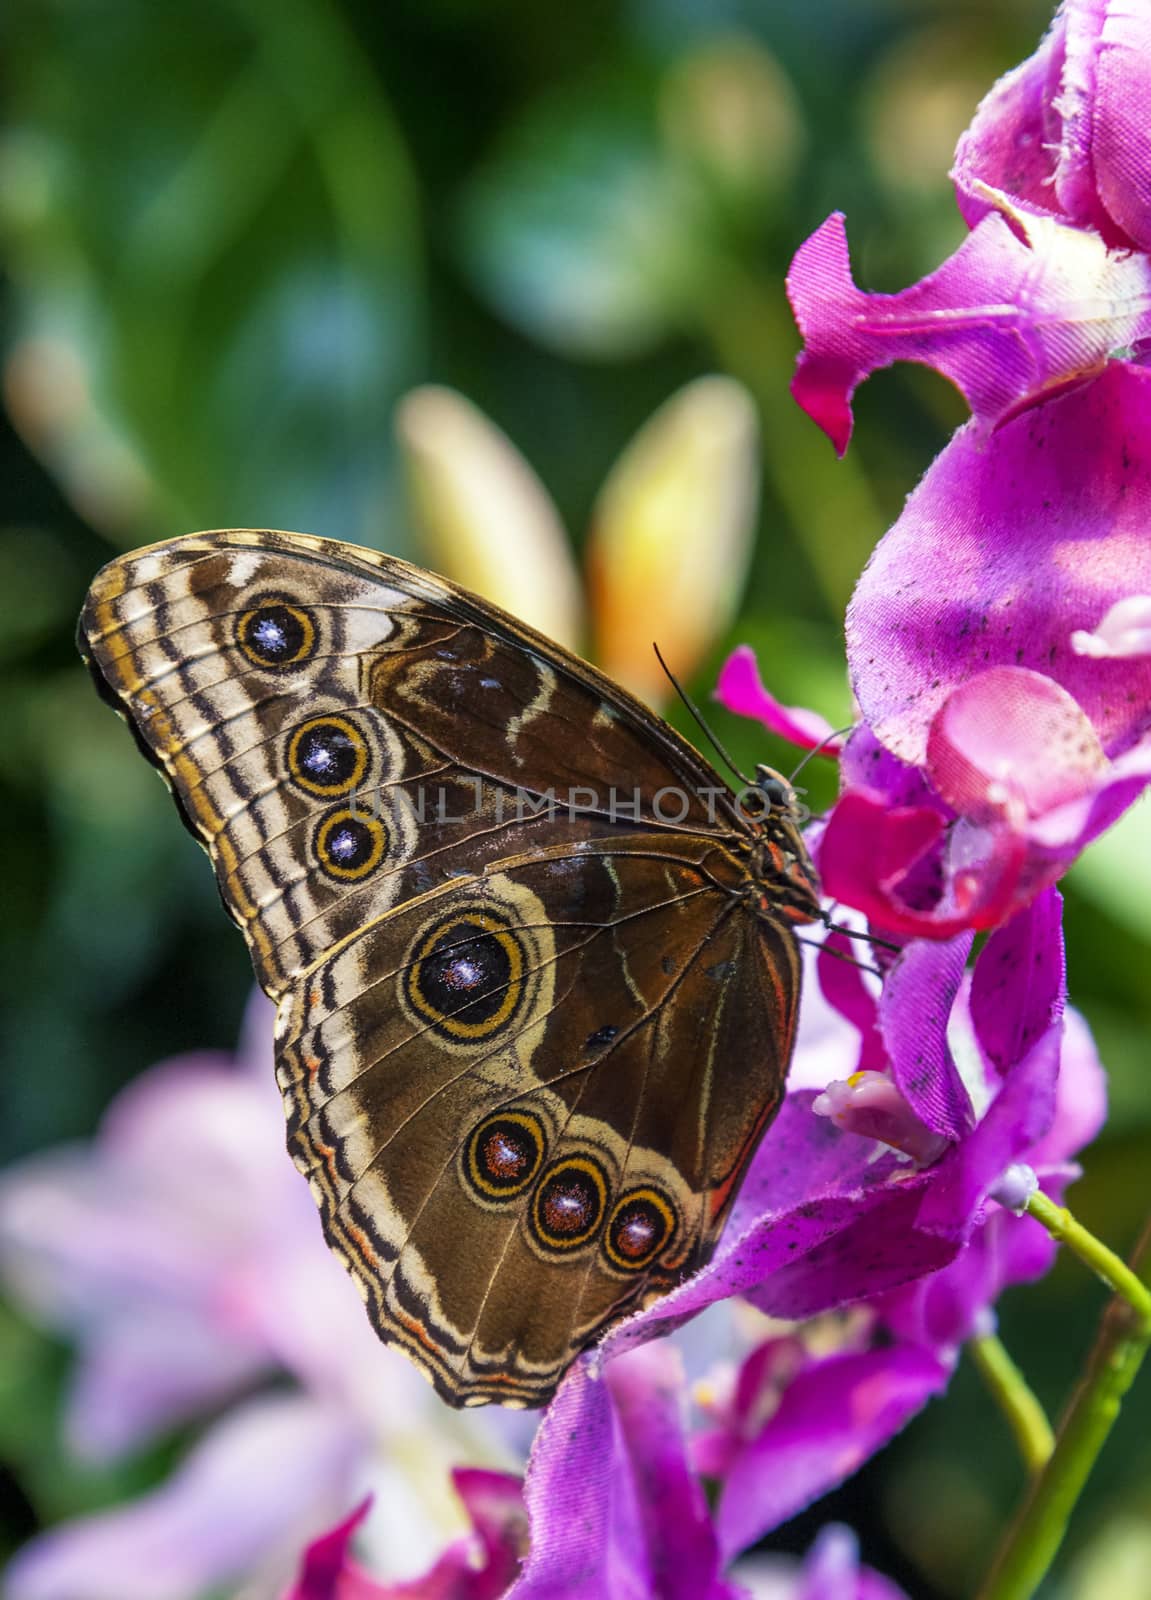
(509, 1113)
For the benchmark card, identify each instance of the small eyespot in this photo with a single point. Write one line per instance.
(349, 844)
(504, 1154)
(277, 633)
(569, 1204)
(328, 756)
(465, 976)
(641, 1226)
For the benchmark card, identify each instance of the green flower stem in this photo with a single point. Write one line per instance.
(1025, 1416)
(1104, 1263)
(1034, 1536)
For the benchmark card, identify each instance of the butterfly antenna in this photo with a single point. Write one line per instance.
(698, 715)
(858, 933)
(836, 733)
(839, 955)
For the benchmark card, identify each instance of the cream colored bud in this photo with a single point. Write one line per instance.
(485, 518)
(671, 536)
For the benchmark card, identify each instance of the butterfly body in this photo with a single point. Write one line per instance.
(534, 964)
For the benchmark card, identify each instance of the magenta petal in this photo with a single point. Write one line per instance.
(1025, 305)
(1080, 1100)
(262, 1483)
(1018, 1117)
(944, 1310)
(1009, 145)
(842, 985)
(867, 848)
(568, 1490)
(1069, 828)
(866, 764)
(325, 1559)
(740, 689)
(877, 1246)
(918, 995)
(477, 1568)
(650, 1400)
(614, 1506)
(494, 1501)
(1009, 545)
(1121, 149)
(831, 1417)
(802, 1157)
(1075, 187)
(883, 862)
(1019, 985)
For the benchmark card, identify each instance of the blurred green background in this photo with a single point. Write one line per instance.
(234, 234)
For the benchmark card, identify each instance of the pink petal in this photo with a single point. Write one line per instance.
(87, 1242)
(870, 855)
(914, 1012)
(1080, 1097)
(326, 1558)
(1075, 187)
(740, 689)
(1068, 828)
(140, 1374)
(843, 986)
(479, 1567)
(1012, 743)
(1121, 149)
(1009, 145)
(263, 1482)
(614, 1506)
(827, 1044)
(1019, 986)
(1025, 305)
(831, 1418)
(1018, 1117)
(1009, 544)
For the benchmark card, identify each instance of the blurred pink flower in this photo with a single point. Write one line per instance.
(182, 1253)
(479, 1566)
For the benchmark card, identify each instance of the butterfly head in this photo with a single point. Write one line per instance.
(786, 876)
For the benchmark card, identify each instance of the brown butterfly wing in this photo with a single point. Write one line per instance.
(503, 1191)
(504, 910)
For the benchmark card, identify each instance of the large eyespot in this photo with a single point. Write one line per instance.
(504, 1154)
(466, 975)
(642, 1225)
(569, 1203)
(349, 844)
(328, 756)
(277, 633)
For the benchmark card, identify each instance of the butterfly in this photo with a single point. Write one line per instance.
(535, 963)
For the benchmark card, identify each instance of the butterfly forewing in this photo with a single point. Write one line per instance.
(534, 1014)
